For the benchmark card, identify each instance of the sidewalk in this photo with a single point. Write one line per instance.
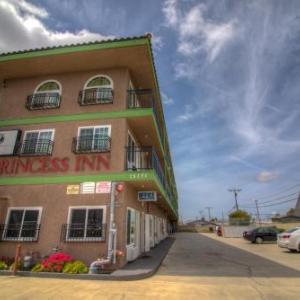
(141, 268)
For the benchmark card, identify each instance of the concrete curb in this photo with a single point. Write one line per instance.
(129, 273)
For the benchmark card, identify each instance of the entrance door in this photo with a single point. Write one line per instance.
(147, 233)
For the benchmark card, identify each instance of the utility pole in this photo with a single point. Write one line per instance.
(235, 192)
(257, 211)
(208, 209)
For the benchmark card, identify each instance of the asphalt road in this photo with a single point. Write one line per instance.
(197, 267)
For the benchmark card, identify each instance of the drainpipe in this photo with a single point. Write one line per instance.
(111, 253)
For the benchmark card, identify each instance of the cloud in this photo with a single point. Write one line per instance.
(196, 34)
(266, 176)
(22, 27)
(166, 99)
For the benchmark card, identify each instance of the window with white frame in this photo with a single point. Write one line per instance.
(46, 95)
(86, 223)
(22, 223)
(38, 142)
(97, 90)
(93, 139)
(131, 227)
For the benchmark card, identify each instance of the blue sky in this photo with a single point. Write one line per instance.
(229, 74)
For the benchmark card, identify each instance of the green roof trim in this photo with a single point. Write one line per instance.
(102, 45)
(129, 113)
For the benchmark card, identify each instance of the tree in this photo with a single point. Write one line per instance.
(290, 212)
(239, 217)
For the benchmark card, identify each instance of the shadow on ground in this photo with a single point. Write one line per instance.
(194, 254)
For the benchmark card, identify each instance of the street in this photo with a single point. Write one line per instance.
(197, 267)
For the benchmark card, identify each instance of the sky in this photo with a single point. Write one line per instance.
(229, 74)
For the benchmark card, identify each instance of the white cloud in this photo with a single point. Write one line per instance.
(22, 27)
(196, 34)
(266, 176)
(166, 99)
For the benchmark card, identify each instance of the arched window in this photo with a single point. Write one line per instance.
(97, 90)
(46, 95)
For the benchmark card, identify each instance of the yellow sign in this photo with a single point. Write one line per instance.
(73, 189)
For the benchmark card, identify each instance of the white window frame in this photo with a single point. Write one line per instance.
(94, 127)
(39, 131)
(48, 91)
(111, 85)
(103, 207)
(24, 208)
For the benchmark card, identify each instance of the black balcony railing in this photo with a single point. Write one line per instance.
(142, 98)
(79, 232)
(36, 147)
(43, 101)
(95, 96)
(28, 232)
(91, 144)
(144, 158)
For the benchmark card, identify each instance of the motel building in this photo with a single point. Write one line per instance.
(85, 165)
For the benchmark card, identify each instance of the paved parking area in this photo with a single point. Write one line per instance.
(197, 267)
(267, 250)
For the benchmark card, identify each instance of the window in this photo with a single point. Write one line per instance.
(97, 90)
(46, 95)
(93, 139)
(86, 223)
(22, 224)
(38, 142)
(131, 226)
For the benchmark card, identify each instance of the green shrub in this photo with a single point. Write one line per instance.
(76, 267)
(3, 265)
(239, 217)
(37, 268)
(19, 266)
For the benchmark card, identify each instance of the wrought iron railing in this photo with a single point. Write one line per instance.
(43, 101)
(144, 158)
(144, 98)
(91, 144)
(36, 147)
(79, 232)
(141, 98)
(28, 232)
(95, 96)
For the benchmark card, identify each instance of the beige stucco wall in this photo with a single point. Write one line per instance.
(16, 91)
(55, 205)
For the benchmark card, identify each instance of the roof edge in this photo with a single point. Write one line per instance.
(66, 49)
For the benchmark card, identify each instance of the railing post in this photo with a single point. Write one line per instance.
(17, 258)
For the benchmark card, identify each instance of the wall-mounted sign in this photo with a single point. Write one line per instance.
(147, 196)
(8, 141)
(87, 188)
(73, 189)
(103, 187)
(33, 165)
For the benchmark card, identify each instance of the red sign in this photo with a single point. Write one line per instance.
(82, 163)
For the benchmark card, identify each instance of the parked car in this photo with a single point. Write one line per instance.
(290, 239)
(261, 234)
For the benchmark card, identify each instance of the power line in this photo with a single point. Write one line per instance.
(279, 198)
(277, 203)
(279, 192)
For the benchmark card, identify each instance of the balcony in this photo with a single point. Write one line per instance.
(95, 96)
(36, 147)
(79, 232)
(15, 232)
(144, 158)
(91, 144)
(43, 101)
(144, 98)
